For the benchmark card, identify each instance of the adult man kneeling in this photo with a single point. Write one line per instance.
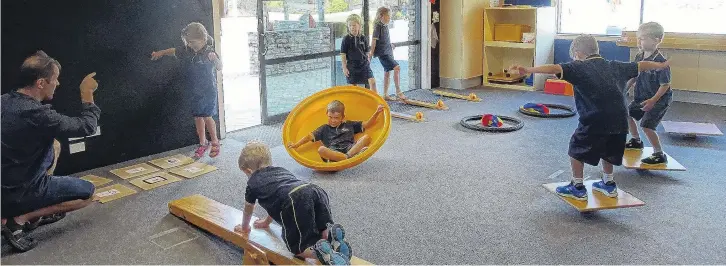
(31, 196)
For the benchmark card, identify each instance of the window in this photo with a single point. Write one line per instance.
(687, 16)
(609, 17)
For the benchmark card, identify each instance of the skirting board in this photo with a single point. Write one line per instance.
(460, 84)
(708, 98)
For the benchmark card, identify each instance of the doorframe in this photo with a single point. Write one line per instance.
(217, 14)
(425, 49)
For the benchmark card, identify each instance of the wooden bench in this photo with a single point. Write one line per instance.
(264, 245)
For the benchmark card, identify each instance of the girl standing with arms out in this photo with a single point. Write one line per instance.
(382, 48)
(201, 63)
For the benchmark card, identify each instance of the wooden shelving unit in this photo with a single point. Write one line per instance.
(499, 55)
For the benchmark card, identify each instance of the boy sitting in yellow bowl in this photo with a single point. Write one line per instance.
(338, 136)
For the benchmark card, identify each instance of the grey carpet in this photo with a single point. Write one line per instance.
(437, 193)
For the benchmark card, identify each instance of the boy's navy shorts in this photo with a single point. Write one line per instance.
(649, 119)
(387, 62)
(590, 148)
(360, 72)
(304, 217)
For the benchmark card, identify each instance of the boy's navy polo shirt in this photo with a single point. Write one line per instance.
(649, 82)
(355, 48)
(383, 40)
(599, 93)
(271, 186)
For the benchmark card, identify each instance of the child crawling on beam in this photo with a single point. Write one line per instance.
(301, 208)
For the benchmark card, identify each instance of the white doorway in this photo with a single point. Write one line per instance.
(241, 83)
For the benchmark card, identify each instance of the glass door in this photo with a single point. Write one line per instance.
(299, 48)
(240, 78)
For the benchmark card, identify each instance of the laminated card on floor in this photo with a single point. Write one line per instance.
(154, 180)
(596, 200)
(691, 129)
(631, 160)
(193, 170)
(134, 171)
(172, 161)
(220, 219)
(113, 192)
(97, 181)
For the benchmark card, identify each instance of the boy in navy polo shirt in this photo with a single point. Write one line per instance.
(301, 208)
(600, 103)
(652, 94)
(338, 136)
(382, 48)
(354, 54)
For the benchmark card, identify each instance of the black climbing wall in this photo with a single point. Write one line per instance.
(145, 105)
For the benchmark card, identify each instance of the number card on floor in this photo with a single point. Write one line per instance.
(113, 192)
(193, 170)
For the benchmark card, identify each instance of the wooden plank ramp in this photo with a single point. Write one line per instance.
(220, 219)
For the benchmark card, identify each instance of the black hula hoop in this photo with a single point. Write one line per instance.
(569, 111)
(518, 124)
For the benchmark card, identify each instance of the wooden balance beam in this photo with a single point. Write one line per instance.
(416, 118)
(471, 97)
(439, 105)
(263, 246)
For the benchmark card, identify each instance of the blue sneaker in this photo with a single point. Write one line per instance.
(609, 190)
(571, 191)
(336, 236)
(327, 256)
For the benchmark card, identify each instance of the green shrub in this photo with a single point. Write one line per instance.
(336, 6)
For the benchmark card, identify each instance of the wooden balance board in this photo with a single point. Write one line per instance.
(691, 129)
(439, 105)
(596, 200)
(416, 118)
(471, 97)
(220, 220)
(631, 160)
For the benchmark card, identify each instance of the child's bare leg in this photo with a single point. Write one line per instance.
(199, 123)
(607, 169)
(578, 170)
(363, 142)
(653, 138)
(372, 84)
(332, 155)
(633, 127)
(386, 80)
(397, 79)
(212, 128)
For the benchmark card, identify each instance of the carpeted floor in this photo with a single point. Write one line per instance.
(437, 193)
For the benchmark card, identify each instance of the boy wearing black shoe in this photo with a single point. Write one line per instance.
(600, 101)
(652, 94)
(301, 208)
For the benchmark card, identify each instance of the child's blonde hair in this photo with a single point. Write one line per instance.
(652, 30)
(336, 107)
(255, 155)
(353, 18)
(196, 31)
(585, 44)
(380, 12)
